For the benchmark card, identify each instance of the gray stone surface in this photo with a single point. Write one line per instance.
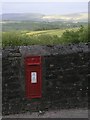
(65, 77)
(71, 113)
(53, 50)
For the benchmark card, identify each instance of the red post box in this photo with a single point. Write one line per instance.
(33, 66)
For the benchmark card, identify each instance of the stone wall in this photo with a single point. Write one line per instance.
(65, 77)
(10, 76)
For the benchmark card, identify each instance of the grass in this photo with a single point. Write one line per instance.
(44, 37)
(57, 32)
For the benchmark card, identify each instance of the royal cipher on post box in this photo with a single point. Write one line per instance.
(33, 70)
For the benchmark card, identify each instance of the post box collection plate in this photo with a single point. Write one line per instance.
(33, 68)
(33, 77)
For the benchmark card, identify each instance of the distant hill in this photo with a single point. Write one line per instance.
(77, 17)
(22, 17)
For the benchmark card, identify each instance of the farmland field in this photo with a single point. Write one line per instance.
(57, 32)
(45, 37)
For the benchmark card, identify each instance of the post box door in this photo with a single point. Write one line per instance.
(33, 77)
(34, 81)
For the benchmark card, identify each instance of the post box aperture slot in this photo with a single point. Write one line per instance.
(33, 64)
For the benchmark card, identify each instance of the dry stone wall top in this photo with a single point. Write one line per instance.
(53, 49)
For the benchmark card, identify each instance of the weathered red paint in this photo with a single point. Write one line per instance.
(33, 66)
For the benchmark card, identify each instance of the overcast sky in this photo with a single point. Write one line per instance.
(44, 0)
(45, 7)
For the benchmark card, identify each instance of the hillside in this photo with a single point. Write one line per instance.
(37, 22)
(78, 17)
(57, 32)
(22, 16)
(38, 26)
(45, 37)
(75, 17)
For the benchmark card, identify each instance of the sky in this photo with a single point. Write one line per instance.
(44, 7)
(44, 0)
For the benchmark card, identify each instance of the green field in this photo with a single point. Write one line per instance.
(57, 32)
(45, 37)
